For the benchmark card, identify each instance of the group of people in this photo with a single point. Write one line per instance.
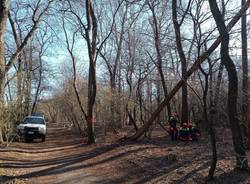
(186, 132)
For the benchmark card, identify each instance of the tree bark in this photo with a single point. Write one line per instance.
(209, 118)
(232, 86)
(3, 19)
(244, 107)
(38, 87)
(19, 69)
(91, 35)
(184, 99)
(211, 130)
(4, 5)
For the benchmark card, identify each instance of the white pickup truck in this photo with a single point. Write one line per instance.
(33, 127)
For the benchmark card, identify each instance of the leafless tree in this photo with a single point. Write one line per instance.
(192, 69)
(3, 19)
(38, 9)
(177, 26)
(232, 86)
(43, 41)
(158, 45)
(245, 96)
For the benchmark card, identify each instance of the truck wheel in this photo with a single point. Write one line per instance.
(43, 139)
(27, 139)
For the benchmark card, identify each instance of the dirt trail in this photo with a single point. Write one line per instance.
(65, 159)
(53, 161)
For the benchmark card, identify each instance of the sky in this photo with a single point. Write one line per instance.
(58, 57)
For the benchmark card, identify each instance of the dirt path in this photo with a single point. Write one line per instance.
(53, 161)
(64, 159)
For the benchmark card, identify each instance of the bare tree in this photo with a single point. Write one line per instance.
(244, 107)
(88, 31)
(177, 26)
(3, 19)
(157, 43)
(43, 41)
(208, 114)
(112, 64)
(38, 10)
(70, 49)
(193, 68)
(232, 87)
(37, 15)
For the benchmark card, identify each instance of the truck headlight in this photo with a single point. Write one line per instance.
(21, 127)
(42, 130)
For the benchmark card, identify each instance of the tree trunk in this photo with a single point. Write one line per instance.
(91, 102)
(211, 130)
(113, 123)
(232, 86)
(28, 81)
(20, 78)
(38, 85)
(131, 120)
(214, 153)
(4, 5)
(157, 43)
(91, 35)
(209, 121)
(244, 107)
(184, 99)
(158, 95)
(213, 112)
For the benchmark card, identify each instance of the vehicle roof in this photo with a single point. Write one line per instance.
(39, 117)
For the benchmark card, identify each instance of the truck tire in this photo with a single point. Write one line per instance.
(27, 139)
(43, 138)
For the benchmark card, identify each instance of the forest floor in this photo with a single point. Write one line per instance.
(65, 159)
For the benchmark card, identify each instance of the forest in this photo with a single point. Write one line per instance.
(118, 83)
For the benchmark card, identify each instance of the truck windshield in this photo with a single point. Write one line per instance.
(34, 120)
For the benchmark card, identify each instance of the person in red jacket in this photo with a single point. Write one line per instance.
(184, 133)
(195, 133)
